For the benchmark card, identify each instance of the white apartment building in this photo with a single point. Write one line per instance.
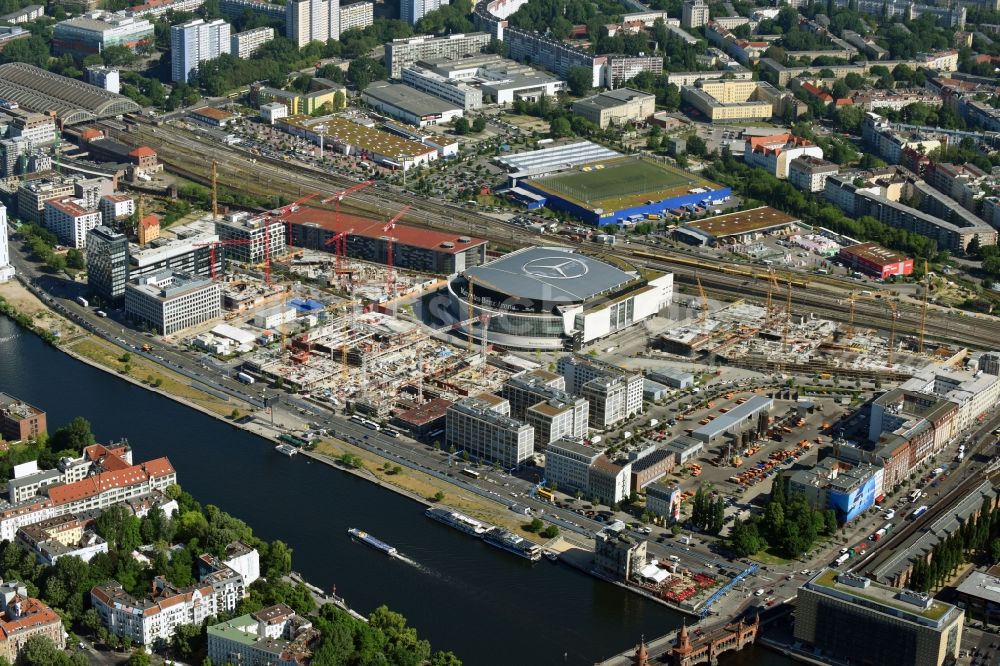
(579, 371)
(412, 11)
(610, 481)
(70, 221)
(38, 128)
(244, 44)
(155, 618)
(170, 301)
(810, 173)
(482, 426)
(609, 400)
(6, 270)
(774, 153)
(266, 236)
(80, 485)
(194, 42)
(694, 14)
(114, 208)
(312, 21)
(975, 393)
(568, 463)
(355, 16)
(403, 53)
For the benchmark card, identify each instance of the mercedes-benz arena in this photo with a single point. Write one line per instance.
(555, 298)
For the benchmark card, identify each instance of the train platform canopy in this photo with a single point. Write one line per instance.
(428, 239)
(549, 275)
(73, 101)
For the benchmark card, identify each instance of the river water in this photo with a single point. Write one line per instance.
(489, 607)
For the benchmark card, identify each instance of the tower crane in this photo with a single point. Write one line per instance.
(788, 316)
(390, 226)
(339, 239)
(704, 302)
(211, 255)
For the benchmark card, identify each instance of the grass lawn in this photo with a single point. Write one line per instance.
(426, 486)
(109, 355)
(767, 557)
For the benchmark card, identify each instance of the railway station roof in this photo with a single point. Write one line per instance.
(73, 101)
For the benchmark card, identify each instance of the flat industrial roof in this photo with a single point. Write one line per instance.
(549, 274)
(348, 132)
(409, 99)
(405, 234)
(982, 586)
(876, 254)
(743, 222)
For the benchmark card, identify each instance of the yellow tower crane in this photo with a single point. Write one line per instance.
(704, 302)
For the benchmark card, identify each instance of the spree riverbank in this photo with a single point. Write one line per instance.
(461, 595)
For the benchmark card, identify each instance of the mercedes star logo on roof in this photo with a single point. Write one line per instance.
(555, 268)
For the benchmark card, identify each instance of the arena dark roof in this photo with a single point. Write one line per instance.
(549, 275)
(73, 101)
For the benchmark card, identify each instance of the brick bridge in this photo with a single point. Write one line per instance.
(703, 649)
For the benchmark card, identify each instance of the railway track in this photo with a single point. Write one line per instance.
(983, 441)
(189, 155)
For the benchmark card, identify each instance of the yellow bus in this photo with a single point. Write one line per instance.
(545, 494)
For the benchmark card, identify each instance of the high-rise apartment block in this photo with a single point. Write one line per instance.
(195, 42)
(244, 44)
(694, 14)
(312, 21)
(260, 235)
(107, 263)
(403, 53)
(412, 11)
(356, 16)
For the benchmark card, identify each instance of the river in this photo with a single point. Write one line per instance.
(489, 607)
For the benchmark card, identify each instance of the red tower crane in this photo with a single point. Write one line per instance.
(390, 281)
(339, 242)
(291, 208)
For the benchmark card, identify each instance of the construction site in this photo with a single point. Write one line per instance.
(771, 337)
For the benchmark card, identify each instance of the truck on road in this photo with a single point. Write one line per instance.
(841, 559)
(245, 378)
(83, 301)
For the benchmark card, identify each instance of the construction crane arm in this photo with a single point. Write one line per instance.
(347, 192)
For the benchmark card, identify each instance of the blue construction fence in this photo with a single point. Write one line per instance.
(588, 215)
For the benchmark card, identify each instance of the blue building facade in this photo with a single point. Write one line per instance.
(856, 496)
(618, 217)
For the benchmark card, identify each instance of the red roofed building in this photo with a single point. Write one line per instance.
(23, 617)
(774, 153)
(144, 159)
(818, 93)
(101, 477)
(414, 248)
(149, 229)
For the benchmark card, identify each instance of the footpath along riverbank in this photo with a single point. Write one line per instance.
(100, 354)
